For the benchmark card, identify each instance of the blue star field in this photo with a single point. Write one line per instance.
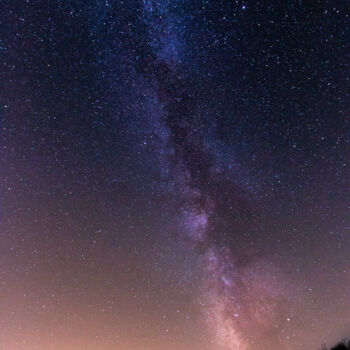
(174, 174)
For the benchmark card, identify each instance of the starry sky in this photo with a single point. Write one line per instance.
(174, 174)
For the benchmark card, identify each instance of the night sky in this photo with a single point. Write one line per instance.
(174, 174)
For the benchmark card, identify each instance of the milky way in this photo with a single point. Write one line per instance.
(242, 303)
(174, 175)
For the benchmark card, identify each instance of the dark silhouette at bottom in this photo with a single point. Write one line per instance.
(344, 345)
